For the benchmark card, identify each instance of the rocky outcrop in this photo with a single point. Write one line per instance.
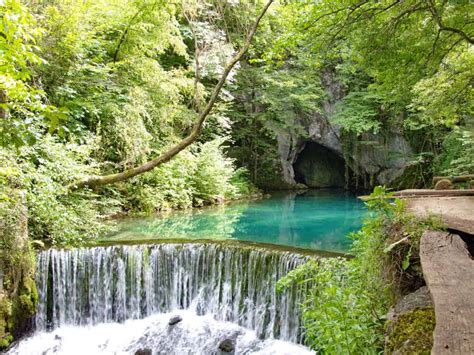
(380, 158)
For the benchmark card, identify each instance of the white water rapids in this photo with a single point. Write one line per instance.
(199, 335)
(119, 300)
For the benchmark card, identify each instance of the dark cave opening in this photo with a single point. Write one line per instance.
(319, 167)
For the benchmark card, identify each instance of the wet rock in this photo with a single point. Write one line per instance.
(175, 320)
(227, 346)
(143, 352)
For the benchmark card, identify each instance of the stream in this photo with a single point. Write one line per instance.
(188, 282)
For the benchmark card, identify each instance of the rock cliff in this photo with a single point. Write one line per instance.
(378, 159)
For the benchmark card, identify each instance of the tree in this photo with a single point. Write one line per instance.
(195, 132)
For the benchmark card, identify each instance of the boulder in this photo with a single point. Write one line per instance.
(175, 320)
(227, 346)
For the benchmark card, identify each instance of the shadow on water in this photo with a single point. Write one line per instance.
(313, 219)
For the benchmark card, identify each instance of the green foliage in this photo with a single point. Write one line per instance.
(44, 170)
(20, 101)
(457, 156)
(400, 66)
(359, 112)
(347, 299)
(19, 297)
(447, 97)
(343, 309)
(166, 187)
(212, 179)
(113, 88)
(193, 178)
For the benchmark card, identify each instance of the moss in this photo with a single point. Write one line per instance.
(19, 298)
(411, 333)
(5, 312)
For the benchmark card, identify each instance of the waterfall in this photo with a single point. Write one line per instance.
(236, 284)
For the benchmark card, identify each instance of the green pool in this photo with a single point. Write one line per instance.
(314, 219)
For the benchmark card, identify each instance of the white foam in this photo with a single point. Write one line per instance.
(193, 335)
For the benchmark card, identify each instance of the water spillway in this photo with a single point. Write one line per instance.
(233, 284)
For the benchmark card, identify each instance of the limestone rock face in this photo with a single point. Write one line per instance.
(382, 157)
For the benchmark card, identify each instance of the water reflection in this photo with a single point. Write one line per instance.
(315, 219)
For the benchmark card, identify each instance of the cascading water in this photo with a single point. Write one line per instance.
(119, 283)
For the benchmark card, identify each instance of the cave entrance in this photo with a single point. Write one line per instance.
(319, 167)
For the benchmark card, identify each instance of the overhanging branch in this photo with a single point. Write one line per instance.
(192, 137)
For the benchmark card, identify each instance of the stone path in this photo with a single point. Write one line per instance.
(448, 269)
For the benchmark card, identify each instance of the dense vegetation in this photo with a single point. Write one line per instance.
(348, 299)
(92, 88)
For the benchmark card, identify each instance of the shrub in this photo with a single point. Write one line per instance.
(202, 175)
(457, 157)
(44, 170)
(347, 299)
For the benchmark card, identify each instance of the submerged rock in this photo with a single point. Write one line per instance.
(175, 320)
(227, 346)
(143, 352)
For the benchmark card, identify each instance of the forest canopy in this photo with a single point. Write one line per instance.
(92, 88)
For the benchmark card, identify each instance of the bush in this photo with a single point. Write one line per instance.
(203, 175)
(167, 187)
(212, 178)
(44, 170)
(347, 299)
(457, 157)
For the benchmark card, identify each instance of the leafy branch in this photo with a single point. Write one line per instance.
(195, 132)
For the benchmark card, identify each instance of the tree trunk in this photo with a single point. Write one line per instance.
(3, 104)
(192, 137)
(461, 178)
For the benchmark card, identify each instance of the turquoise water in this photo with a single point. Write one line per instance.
(315, 219)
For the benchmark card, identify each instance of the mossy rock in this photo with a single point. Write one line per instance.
(5, 313)
(16, 313)
(411, 333)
